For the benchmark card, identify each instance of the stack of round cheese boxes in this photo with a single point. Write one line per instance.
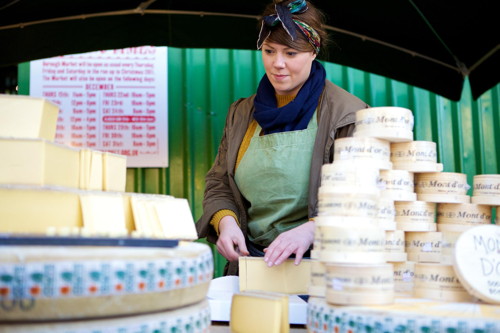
(88, 288)
(388, 219)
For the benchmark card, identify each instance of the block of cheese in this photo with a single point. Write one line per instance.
(398, 185)
(415, 156)
(114, 172)
(176, 219)
(350, 284)
(442, 187)
(461, 217)
(27, 117)
(103, 213)
(193, 318)
(486, 190)
(286, 278)
(372, 151)
(34, 210)
(439, 282)
(61, 282)
(91, 169)
(38, 162)
(254, 311)
(391, 123)
(404, 315)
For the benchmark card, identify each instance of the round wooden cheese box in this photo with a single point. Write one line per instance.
(477, 262)
(486, 190)
(394, 124)
(371, 151)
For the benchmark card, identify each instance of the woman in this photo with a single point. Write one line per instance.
(262, 191)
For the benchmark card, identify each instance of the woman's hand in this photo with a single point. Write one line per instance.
(231, 242)
(296, 240)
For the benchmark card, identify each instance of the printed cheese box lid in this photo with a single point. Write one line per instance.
(477, 262)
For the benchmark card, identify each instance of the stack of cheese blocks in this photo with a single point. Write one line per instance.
(414, 193)
(51, 191)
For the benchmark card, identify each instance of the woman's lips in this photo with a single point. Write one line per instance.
(279, 77)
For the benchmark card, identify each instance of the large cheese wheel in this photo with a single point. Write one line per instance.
(51, 283)
(193, 318)
(405, 315)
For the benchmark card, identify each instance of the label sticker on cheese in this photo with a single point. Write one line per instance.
(477, 262)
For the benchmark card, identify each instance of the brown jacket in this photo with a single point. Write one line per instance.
(336, 116)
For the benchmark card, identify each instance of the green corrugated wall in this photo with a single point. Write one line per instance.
(203, 82)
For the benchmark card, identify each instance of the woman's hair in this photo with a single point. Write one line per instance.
(312, 17)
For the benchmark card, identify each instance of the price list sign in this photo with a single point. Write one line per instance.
(112, 100)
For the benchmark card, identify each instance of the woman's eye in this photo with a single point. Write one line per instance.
(291, 54)
(268, 51)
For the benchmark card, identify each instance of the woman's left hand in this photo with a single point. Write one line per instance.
(296, 240)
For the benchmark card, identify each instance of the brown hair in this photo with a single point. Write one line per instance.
(312, 16)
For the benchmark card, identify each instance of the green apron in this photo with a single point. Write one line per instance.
(273, 176)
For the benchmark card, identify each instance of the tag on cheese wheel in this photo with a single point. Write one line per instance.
(477, 262)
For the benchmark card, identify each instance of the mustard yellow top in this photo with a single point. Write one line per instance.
(281, 100)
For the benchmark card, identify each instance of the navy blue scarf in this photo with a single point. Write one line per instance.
(295, 115)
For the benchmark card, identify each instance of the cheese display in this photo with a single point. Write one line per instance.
(415, 156)
(286, 278)
(395, 246)
(38, 162)
(442, 187)
(439, 282)
(404, 273)
(347, 177)
(486, 190)
(53, 283)
(477, 264)
(27, 117)
(415, 215)
(257, 311)
(371, 151)
(394, 124)
(423, 246)
(461, 217)
(405, 315)
(365, 284)
(398, 185)
(193, 318)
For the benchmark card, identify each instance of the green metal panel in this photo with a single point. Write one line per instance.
(202, 83)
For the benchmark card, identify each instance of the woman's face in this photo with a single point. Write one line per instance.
(286, 68)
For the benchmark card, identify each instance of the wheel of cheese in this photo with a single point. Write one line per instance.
(398, 185)
(344, 176)
(403, 277)
(439, 282)
(360, 244)
(461, 217)
(415, 156)
(193, 318)
(372, 151)
(486, 190)
(404, 315)
(395, 246)
(355, 205)
(423, 246)
(394, 124)
(442, 187)
(350, 284)
(386, 214)
(55, 283)
(477, 262)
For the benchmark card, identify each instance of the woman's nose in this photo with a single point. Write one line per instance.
(279, 60)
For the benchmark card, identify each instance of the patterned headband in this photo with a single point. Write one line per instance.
(284, 15)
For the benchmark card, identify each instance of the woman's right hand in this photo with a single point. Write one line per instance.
(231, 242)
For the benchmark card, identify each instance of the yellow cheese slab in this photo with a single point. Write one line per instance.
(29, 210)
(114, 172)
(176, 219)
(286, 278)
(38, 162)
(27, 117)
(261, 312)
(91, 169)
(103, 213)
